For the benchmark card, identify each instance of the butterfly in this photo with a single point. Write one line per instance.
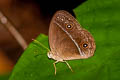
(68, 40)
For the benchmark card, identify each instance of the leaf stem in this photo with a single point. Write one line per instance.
(11, 28)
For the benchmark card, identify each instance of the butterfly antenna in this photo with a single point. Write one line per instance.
(41, 44)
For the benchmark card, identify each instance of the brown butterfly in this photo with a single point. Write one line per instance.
(68, 40)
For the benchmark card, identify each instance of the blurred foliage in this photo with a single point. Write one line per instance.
(102, 19)
(4, 77)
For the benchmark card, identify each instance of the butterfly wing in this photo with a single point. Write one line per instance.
(66, 38)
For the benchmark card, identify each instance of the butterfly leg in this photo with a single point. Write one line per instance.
(68, 65)
(55, 65)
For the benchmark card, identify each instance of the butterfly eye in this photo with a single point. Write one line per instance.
(85, 45)
(69, 26)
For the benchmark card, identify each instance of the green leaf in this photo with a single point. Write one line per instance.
(102, 19)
